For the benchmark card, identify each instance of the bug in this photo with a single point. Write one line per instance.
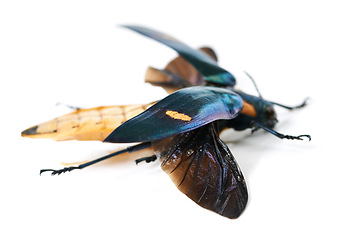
(182, 129)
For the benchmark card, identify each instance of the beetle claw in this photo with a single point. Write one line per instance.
(300, 137)
(308, 136)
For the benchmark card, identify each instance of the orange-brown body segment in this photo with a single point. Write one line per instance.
(248, 109)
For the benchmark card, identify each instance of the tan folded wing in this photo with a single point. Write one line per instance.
(86, 124)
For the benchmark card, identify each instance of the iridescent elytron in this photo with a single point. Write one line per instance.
(182, 129)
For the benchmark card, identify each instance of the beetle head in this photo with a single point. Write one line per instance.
(269, 115)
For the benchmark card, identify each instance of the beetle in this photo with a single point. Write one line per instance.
(182, 129)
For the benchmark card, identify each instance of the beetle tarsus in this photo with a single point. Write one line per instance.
(257, 126)
(300, 137)
(60, 171)
(146, 159)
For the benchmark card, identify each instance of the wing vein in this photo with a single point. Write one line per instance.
(187, 169)
(196, 171)
(207, 182)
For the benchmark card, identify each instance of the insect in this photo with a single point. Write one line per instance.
(182, 129)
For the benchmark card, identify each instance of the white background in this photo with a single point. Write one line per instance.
(73, 52)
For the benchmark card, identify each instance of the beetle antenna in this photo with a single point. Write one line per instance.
(84, 165)
(253, 81)
(257, 125)
(303, 104)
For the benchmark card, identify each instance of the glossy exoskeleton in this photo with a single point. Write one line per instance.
(182, 129)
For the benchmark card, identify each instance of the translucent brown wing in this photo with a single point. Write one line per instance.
(86, 124)
(178, 74)
(203, 168)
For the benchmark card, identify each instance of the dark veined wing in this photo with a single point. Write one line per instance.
(203, 168)
(179, 112)
(202, 62)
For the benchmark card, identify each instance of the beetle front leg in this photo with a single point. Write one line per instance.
(257, 126)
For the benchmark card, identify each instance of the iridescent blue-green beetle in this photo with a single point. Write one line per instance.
(182, 129)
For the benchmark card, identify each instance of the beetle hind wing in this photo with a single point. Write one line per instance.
(203, 168)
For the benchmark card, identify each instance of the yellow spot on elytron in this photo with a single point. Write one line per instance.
(176, 115)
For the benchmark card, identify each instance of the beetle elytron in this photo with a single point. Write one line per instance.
(182, 129)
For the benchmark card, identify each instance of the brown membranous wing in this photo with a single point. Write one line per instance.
(178, 74)
(203, 168)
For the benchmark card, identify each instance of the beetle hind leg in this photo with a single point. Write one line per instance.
(87, 164)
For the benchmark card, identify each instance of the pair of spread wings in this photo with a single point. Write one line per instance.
(182, 127)
(188, 108)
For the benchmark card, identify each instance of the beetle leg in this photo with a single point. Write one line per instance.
(257, 125)
(60, 171)
(254, 129)
(146, 159)
(84, 165)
